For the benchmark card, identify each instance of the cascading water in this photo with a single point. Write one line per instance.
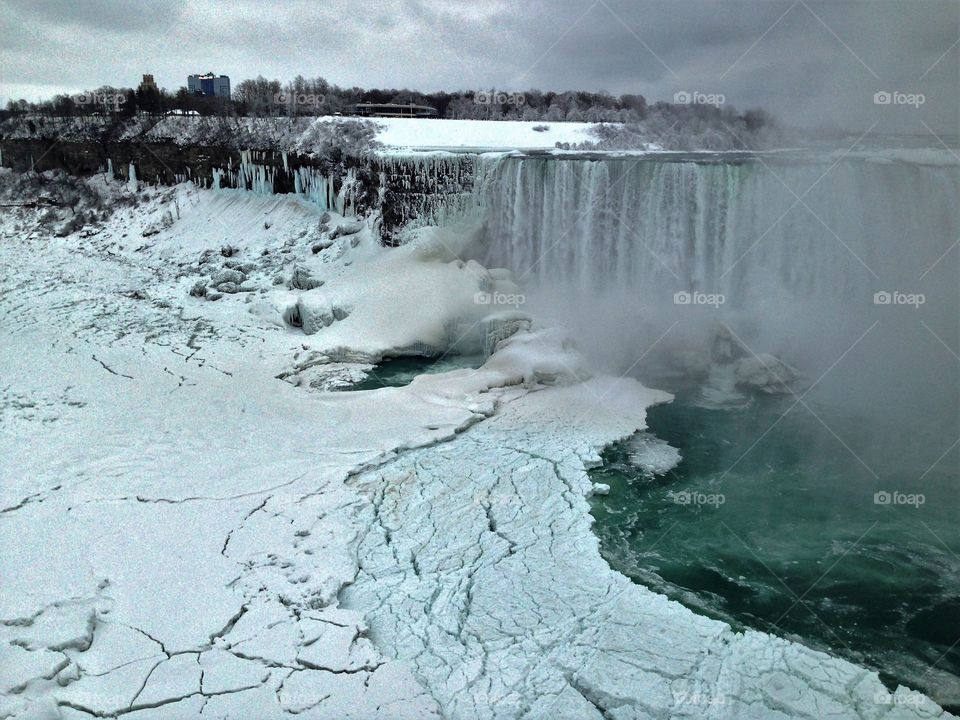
(845, 267)
(734, 228)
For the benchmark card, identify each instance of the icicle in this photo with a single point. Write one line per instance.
(132, 178)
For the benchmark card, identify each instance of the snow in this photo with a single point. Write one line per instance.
(190, 526)
(652, 455)
(438, 134)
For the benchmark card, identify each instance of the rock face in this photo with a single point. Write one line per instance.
(414, 190)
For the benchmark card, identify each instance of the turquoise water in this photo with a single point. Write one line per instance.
(770, 521)
(397, 372)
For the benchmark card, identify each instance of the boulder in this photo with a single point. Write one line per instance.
(301, 279)
(228, 276)
(348, 227)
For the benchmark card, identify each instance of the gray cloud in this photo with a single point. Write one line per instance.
(810, 62)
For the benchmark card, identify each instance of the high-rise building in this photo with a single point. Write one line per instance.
(148, 84)
(209, 85)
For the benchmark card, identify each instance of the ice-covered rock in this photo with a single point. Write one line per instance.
(764, 373)
(347, 227)
(499, 326)
(244, 267)
(726, 347)
(164, 222)
(313, 315)
(228, 276)
(303, 279)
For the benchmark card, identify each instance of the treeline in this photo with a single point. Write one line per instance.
(260, 97)
(628, 122)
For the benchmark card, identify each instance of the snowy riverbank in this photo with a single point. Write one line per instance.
(186, 532)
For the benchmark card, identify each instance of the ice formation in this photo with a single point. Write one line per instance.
(186, 534)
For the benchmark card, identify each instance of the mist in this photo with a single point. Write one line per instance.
(854, 287)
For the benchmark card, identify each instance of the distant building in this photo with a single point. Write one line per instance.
(394, 110)
(209, 85)
(148, 84)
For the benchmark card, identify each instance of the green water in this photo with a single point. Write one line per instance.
(770, 521)
(397, 372)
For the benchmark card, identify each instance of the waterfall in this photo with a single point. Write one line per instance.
(660, 227)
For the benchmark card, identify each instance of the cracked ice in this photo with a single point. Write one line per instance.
(184, 533)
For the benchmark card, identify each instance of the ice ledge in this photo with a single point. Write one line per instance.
(480, 571)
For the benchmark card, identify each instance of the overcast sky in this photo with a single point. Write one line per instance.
(807, 61)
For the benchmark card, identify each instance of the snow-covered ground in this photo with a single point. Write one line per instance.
(192, 524)
(440, 134)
